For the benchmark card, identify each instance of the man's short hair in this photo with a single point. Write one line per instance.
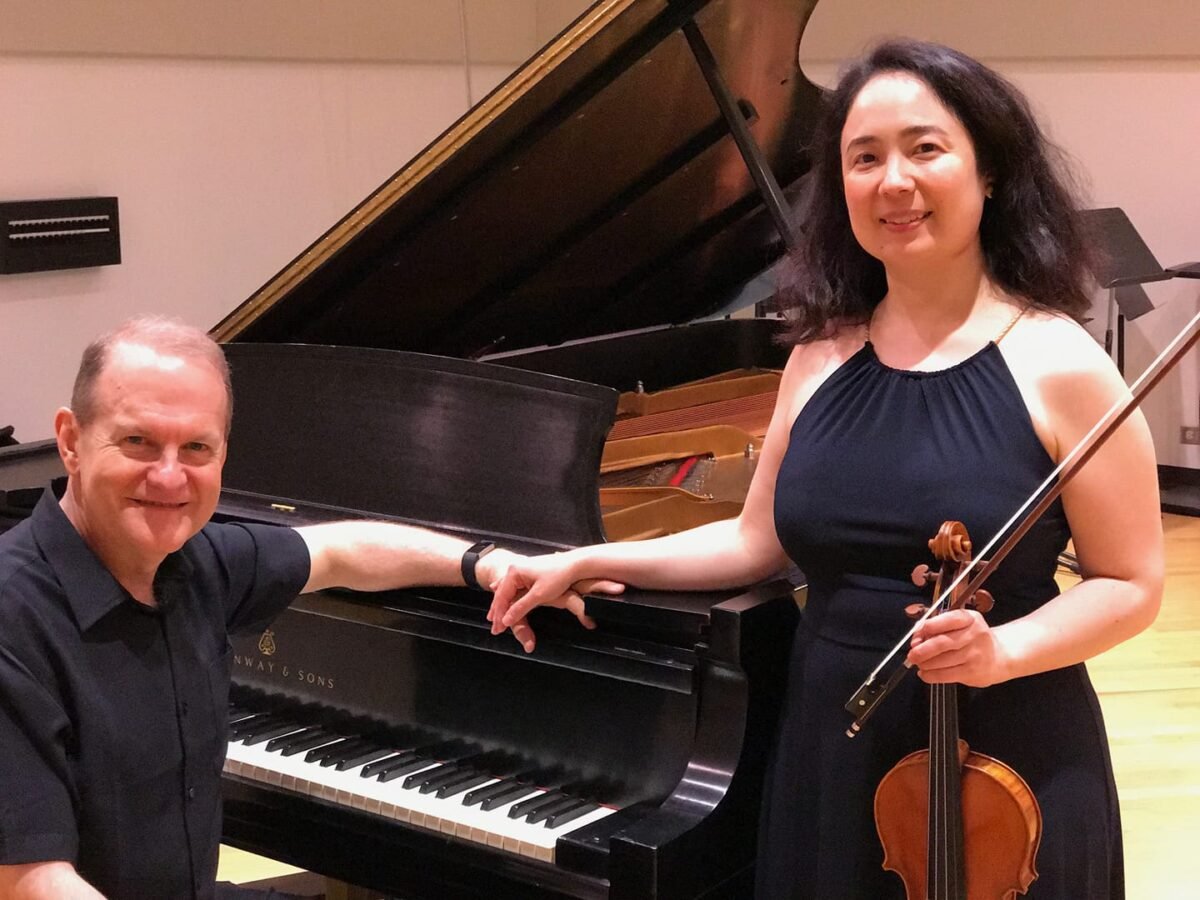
(160, 333)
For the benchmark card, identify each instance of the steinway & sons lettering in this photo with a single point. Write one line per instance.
(271, 668)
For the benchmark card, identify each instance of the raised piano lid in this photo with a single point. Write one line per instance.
(597, 190)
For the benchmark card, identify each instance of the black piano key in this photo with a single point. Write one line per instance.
(571, 814)
(380, 765)
(399, 770)
(465, 782)
(502, 788)
(239, 729)
(499, 800)
(431, 779)
(318, 754)
(348, 751)
(286, 740)
(247, 727)
(519, 790)
(525, 807)
(404, 756)
(302, 743)
(443, 754)
(267, 731)
(237, 712)
(367, 755)
(420, 778)
(546, 810)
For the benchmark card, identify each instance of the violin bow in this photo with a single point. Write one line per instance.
(872, 691)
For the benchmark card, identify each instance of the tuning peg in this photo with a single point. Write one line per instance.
(922, 575)
(981, 602)
(915, 610)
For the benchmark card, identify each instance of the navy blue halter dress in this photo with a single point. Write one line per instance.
(878, 459)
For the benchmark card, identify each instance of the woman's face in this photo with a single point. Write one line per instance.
(913, 191)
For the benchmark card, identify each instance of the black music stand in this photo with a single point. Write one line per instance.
(1126, 265)
(1180, 485)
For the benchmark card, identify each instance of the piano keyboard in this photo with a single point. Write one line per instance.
(441, 787)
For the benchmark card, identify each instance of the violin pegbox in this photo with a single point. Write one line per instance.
(951, 546)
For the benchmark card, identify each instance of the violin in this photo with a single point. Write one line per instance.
(955, 824)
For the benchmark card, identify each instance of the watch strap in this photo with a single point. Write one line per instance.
(471, 558)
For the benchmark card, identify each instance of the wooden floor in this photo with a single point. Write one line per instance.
(1150, 690)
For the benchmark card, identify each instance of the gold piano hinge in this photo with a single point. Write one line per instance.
(283, 507)
(527, 77)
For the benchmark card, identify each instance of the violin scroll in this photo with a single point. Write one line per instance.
(951, 543)
(951, 546)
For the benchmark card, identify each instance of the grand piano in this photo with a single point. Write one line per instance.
(453, 353)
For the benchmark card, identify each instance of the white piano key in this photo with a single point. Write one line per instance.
(390, 799)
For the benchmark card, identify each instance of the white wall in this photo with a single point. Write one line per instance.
(224, 172)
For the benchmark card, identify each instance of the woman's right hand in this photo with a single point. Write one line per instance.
(549, 580)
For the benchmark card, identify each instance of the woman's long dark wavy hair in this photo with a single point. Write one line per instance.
(1035, 246)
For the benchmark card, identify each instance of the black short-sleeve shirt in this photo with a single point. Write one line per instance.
(113, 714)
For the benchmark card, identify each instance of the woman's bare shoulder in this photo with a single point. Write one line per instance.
(1065, 378)
(810, 364)
(1048, 343)
(821, 357)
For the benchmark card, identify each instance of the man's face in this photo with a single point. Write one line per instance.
(146, 471)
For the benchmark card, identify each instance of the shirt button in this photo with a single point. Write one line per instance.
(191, 793)
(183, 708)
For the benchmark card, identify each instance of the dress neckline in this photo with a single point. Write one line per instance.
(994, 342)
(869, 349)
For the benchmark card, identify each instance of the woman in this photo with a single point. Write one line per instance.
(938, 373)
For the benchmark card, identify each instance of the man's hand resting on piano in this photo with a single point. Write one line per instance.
(526, 582)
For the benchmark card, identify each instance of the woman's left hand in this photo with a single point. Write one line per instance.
(958, 647)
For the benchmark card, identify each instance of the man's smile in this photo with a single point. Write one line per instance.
(159, 504)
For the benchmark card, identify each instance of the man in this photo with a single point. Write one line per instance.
(115, 605)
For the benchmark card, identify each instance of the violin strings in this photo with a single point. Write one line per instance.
(937, 786)
(945, 876)
(954, 848)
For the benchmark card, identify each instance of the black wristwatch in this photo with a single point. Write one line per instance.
(471, 558)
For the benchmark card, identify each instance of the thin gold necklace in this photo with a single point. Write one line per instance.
(1007, 328)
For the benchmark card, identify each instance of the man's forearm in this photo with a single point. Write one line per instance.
(45, 881)
(375, 556)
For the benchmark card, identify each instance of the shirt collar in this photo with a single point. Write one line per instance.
(90, 588)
